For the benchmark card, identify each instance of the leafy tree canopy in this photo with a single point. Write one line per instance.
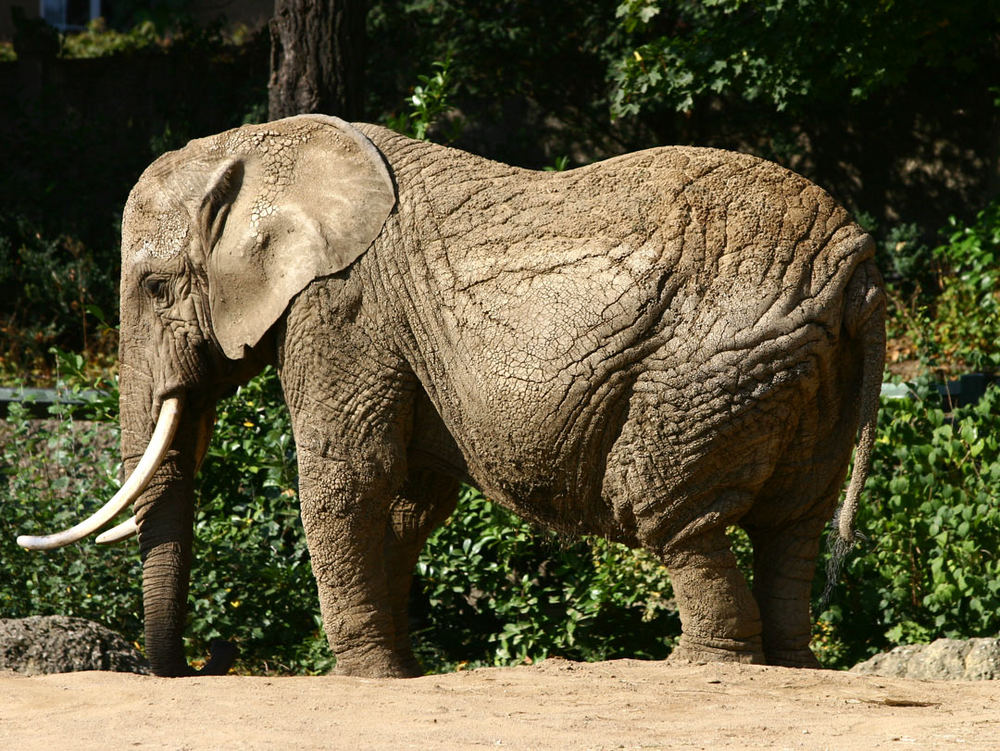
(792, 54)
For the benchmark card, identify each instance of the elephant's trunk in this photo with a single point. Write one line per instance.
(164, 515)
(165, 539)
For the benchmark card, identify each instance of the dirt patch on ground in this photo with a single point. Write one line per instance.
(624, 704)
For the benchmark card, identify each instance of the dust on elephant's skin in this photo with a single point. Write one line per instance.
(650, 348)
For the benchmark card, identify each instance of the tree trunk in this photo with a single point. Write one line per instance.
(317, 58)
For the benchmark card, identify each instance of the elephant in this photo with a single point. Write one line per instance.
(651, 348)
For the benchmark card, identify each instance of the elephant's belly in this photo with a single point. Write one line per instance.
(544, 456)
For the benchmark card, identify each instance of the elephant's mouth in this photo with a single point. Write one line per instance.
(163, 435)
(129, 527)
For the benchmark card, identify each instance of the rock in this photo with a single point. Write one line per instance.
(943, 660)
(60, 644)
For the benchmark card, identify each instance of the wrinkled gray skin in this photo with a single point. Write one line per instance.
(650, 348)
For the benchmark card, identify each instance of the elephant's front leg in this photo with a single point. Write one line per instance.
(351, 402)
(345, 510)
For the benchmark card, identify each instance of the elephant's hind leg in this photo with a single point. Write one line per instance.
(784, 563)
(680, 505)
(426, 500)
(786, 527)
(720, 620)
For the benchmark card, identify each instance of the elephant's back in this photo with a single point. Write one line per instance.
(723, 248)
(763, 254)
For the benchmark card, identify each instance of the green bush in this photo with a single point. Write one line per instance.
(99, 41)
(958, 326)
(494, 590)
(967, 312)
(931, 513)
(491, 589)
(148, 37)
(54, 291)
(684, 54)
(251, 579)
(53, 474)
(429, 102)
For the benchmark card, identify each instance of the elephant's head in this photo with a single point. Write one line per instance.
(217, 238)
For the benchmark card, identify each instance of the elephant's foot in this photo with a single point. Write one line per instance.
(792, 658)
(746, 651)
(412, 667)
(377, 666)
(381, 671)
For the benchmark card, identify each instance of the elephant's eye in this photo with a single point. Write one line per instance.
(156, 286)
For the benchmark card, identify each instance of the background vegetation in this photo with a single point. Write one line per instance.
(838, 91)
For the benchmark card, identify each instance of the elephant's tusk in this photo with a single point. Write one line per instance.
(122, 532)
(206, 426)
(163, 436)
(130, 527)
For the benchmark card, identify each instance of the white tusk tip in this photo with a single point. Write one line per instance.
(31, 542)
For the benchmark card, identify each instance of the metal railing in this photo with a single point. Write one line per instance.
(965, 390)
(38, 401)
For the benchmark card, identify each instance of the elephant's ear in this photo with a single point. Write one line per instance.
(289, 201)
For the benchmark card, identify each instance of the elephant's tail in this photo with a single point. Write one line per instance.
(865, 319)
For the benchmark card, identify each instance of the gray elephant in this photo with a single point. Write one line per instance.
(650, 348)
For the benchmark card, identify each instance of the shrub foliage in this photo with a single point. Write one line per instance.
(682, 53)
(930, 566)
(490, 588)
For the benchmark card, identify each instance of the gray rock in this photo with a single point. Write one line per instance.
(944, 659)
(60, 644)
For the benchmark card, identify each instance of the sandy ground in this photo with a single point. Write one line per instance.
(624, 704)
